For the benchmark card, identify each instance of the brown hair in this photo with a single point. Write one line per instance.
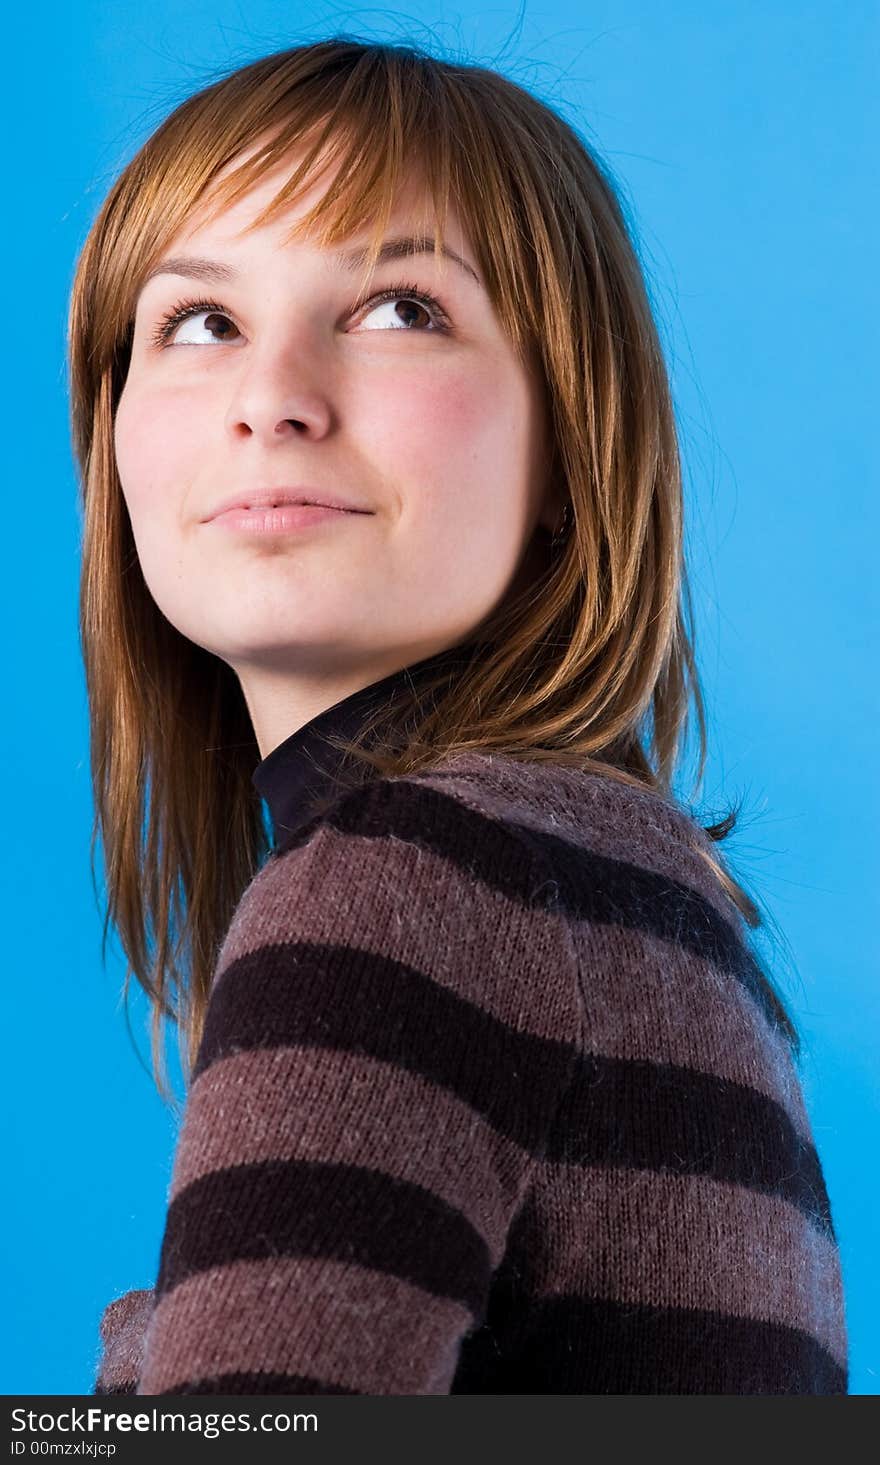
(571, 669)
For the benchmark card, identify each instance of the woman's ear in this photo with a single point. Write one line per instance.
(552, 516)
(553, 505)
(555, 493)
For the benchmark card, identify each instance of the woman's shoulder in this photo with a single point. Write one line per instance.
(578, 815)
(509, 812)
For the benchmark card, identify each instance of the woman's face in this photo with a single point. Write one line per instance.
(282, 383)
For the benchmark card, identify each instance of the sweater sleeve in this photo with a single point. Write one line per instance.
(389, 1034)
(123, 1329)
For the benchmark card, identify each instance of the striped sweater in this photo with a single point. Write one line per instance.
(489, 1100)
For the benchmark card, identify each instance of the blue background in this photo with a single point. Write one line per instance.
(743, 139)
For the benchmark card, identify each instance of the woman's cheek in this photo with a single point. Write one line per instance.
(159, 441)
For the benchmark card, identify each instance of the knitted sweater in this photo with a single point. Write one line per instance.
(489, 1100)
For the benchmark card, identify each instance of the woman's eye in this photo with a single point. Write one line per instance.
(401, 308)
(405, 312)
(216, 322)
(218, 325)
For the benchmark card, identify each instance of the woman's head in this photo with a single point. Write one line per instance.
(411, 405)
(547, 390)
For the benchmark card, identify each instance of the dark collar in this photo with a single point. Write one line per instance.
(303, 768)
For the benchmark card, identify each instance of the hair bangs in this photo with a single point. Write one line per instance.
(381, 136)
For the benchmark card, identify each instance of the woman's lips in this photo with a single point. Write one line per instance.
(285, 519)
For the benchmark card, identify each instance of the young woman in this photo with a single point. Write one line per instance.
(487, 1092)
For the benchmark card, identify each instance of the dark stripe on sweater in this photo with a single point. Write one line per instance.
(598, 1346)
(585, 886)
(650, 1116)
(304, 1208)
(324, 996)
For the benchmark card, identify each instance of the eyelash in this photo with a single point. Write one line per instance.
(186, 308)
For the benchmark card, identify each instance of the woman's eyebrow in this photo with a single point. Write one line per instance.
(199, 268)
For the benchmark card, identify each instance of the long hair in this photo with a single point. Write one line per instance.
(591, 664)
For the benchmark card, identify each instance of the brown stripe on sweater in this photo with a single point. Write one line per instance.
(355, 1334)
(262, 1086)
(644, 1116)
(703, 1244)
